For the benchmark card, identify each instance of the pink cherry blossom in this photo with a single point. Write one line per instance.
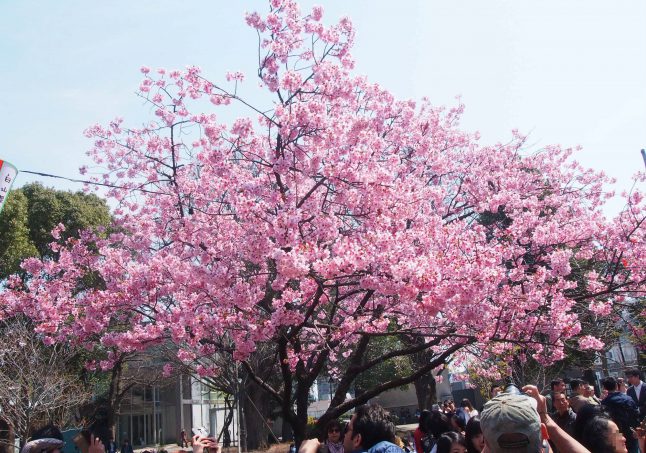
(331, 215)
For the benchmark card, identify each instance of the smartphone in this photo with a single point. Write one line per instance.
(200, 431)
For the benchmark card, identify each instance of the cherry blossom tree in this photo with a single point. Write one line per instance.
(332, 215)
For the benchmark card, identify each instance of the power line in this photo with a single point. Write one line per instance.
(113, 186)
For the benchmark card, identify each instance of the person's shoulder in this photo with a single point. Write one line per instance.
(385, 447)
(624, 399)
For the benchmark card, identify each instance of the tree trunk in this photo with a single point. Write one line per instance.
(224, 437)
(425, 391)
(302, 402)
(255, 405)
(115, 397)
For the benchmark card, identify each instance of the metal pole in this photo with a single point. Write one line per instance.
(155, 440)
(644, 156)
(181, 405)
(239, 409)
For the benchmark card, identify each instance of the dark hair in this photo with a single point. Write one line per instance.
(47, 432)
(466, 403)
(596, 435)
(586, 413)
(609, 384)
(634, 372)
(374, 425)
(423, 420)
(334, 423)
(576, 383)
(437, 424)
(473, 429)
(446, 440)
(555, 382)
(460, 419)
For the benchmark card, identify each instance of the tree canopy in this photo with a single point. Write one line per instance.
(33, 211)
(333, 216)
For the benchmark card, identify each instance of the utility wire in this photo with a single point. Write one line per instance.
(47, 175)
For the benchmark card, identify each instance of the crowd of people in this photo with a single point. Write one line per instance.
(512, 421)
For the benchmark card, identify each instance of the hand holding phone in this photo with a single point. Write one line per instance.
(200, 431)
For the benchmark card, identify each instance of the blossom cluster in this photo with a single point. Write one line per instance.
(339, 211)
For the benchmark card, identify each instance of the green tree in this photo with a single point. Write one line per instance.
(33, 211)
(26, 222)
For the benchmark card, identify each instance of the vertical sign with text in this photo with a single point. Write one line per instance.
(7, 174)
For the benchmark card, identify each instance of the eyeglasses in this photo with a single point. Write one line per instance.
(334, 430)
(346, 428)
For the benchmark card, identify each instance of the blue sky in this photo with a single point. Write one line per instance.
(570, 72)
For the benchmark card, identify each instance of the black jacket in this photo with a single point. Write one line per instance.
(641, 400)
(623, 412)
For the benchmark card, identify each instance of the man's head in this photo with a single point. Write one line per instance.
(369, 425)
(589, 391)
(557, 385)
(560, 403)
(621, 385)
(632, 376)
(578, 386)
(47, 439)
(610, 384)
(510, 424)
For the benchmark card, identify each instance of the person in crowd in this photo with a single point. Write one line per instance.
(589, 393)
(621, 385)
(474, 436)
(438, 424)
(494, 390)
(556, 385)
(623, 411)
(421, 430)
(111, 446)
(183, 440)
(512, 422)
(370, 430)
(579, 399)
(468, 407)
(47, 439)
(459, 422)
(448, 407)
(602, 435)
(584, 421)
(126, 446)
(637, 391)
(451, 442)
(333, 442)
(564, 416)
(640, 432)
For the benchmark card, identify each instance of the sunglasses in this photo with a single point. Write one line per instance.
(334, 430)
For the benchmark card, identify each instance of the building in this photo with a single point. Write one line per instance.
(155, 415)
